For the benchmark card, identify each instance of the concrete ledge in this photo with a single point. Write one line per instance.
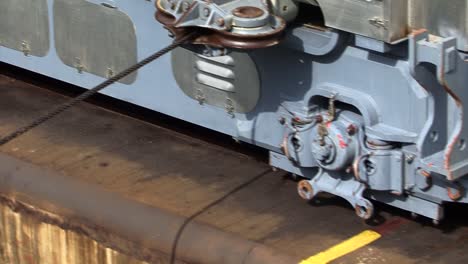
(78, 203)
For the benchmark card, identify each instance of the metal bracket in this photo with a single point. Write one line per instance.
(229, 106)
(240, 24)
(442, 52)
(79, 65)
(349, 189)
(451, 74)
(25, 48)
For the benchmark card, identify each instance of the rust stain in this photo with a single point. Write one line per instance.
(457, 194)
(451, 145)
(32, 236)
(220, 38)
(25, 239)
(391, 225)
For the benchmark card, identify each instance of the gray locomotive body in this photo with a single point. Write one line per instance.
(367, 106)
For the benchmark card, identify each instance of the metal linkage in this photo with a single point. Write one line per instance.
(62, 108)
(238, 24)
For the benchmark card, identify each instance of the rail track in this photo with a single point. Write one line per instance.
(128, 185)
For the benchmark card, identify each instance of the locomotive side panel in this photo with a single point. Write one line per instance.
(339, 106)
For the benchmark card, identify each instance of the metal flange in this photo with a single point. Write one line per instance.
(239, 24)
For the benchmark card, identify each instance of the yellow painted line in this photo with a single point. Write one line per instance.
(343, 248)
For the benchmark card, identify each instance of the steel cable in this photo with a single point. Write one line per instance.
(62, 108)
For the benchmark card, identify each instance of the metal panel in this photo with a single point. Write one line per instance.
(24, 26)
(230, 81)
(94, 38)
(442, 18)
(384, 20)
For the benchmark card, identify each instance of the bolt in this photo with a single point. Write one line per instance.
(185, 6)
(229, 106)
(110, 72)
(220, 22)
(351, 129)
(200, 97)
(319, 118)
(409, 158)
(274, 169)
(25, 48)
(206, 11)
(282, 120)
(296, 142)
(349, 169)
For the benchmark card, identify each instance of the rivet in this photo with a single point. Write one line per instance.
(220, 22)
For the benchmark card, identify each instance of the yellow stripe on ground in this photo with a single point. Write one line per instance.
(344, 248)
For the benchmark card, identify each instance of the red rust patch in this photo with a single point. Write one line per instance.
(390, 225)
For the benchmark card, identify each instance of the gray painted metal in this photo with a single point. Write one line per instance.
(441, 18)
(390, 20)
(230, 82)
(313, 41)
(24, 26)
(405, 101)
(94, 38)
(384, 20)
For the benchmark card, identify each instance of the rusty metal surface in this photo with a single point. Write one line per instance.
(222, 39)
(248, 12)
(194, 179)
